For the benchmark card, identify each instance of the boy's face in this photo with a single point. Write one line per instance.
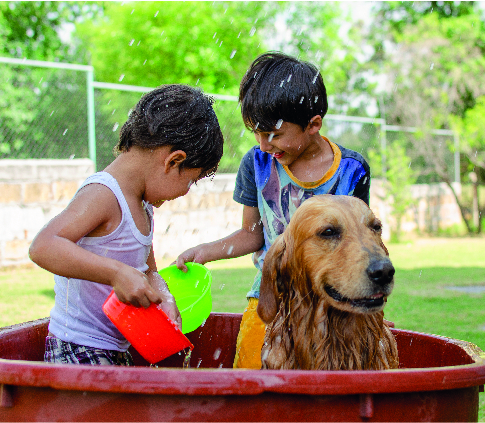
(285, 143)
(176, 184)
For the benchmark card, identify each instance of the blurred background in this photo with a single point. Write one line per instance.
(405, 79)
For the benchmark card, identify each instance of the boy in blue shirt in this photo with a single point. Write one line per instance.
(283, 101)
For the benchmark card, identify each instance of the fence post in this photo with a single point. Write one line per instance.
(91, 117)
(456, 140)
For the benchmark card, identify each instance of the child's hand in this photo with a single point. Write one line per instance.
(132, 286)
(193, 254)
(168, 304)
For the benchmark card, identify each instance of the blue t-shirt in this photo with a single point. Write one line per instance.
(264, 183)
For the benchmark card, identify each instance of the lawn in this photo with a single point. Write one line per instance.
(422, 299)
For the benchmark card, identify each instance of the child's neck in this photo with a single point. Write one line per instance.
(314, 162)
(126, 170)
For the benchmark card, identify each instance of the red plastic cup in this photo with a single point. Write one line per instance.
(149, 330)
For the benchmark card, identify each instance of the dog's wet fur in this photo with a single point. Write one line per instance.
(325, 282)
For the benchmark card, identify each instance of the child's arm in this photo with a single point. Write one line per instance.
(246, 240)
(94, 211)
(168, 304)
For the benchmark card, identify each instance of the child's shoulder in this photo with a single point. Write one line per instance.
(347, 153)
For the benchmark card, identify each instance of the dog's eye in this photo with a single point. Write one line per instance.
(329, 233)
(377, 227)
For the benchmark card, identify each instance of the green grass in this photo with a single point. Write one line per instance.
(420, 300)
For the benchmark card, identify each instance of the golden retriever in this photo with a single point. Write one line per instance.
(325, 283)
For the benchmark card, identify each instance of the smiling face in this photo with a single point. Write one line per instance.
(341, 249)
(331, 250)
(287, 142)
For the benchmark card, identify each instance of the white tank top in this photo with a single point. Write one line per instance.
(77, 315)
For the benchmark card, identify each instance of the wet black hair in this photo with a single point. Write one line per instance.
(277, 86)
(178, 116)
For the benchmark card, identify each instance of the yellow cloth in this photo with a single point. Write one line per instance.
(250, 338)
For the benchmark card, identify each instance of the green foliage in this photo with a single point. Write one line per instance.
(209, 44)
(397, 178)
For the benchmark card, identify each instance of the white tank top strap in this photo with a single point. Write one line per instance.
(110, 182)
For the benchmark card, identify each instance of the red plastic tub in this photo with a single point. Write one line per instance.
(439, 380)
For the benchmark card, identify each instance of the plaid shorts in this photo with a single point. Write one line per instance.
(59, 351)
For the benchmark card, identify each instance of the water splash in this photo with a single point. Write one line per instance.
(188, 354)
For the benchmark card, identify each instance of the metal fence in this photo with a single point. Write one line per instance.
(56, 110)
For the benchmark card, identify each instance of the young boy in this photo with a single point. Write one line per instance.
(102, 241)
(283, 101)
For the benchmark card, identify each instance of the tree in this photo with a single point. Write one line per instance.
(434, 73)
(471, 130)
(37, 105)
(397, 179)
(208, 44)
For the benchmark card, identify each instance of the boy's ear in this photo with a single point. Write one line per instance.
(315, 124)
(174, 160)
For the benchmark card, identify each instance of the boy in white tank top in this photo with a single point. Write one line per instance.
(102, 241)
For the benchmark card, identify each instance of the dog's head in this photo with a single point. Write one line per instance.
(332, 248)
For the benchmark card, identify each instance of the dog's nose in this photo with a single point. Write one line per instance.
(381, 272)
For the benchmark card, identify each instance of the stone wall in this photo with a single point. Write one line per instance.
(34, 191)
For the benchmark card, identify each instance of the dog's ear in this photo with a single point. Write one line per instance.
(268, 293)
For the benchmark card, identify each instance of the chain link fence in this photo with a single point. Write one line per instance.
(53, 110)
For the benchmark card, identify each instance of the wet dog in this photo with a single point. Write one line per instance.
(325, 282)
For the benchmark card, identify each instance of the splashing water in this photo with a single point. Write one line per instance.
(186, 364)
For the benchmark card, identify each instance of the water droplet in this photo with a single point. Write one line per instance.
(121, 77)
(279, 123)
(301, 99)
(229, 251)
(252, 32)
(316, 98)
(242, 133)
(431, 66)
(156, 13)
(64, 133)
(131, 42)
(233, 53)
(270, 138)
(222, 286)
(217, 353)
(115, 126)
